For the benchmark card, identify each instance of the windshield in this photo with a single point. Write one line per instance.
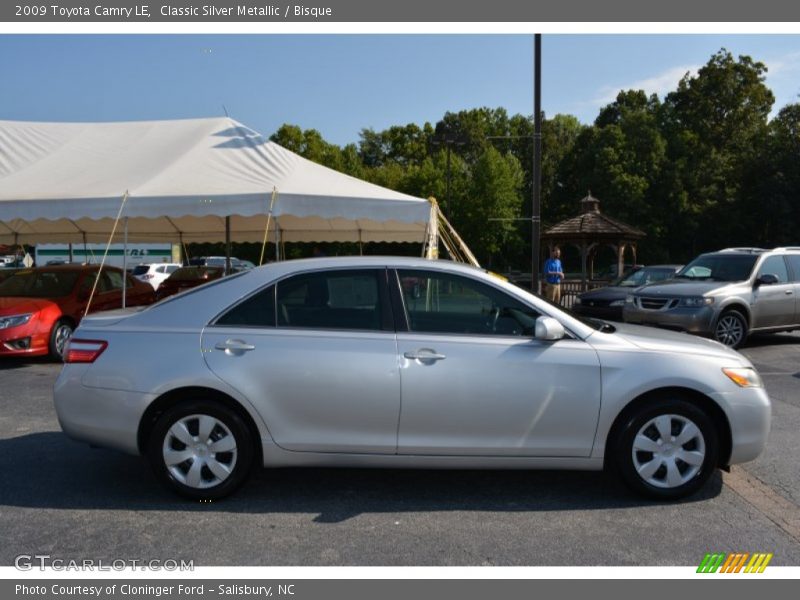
(39, 284)
(643, 276)
(719, 267)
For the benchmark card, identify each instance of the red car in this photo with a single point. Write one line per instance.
(40, 308)
(187, 277)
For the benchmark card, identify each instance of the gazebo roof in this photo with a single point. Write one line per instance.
(592, 224)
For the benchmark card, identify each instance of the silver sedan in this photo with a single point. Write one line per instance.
(395, 362)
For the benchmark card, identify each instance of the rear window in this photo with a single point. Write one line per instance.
(190, 273)
(39, 284)
(140, 270)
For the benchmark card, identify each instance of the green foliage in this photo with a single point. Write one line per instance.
(701, 170)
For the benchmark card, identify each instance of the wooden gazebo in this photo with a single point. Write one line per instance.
(590, 231)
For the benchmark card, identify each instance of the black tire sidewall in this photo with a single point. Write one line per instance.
(676, 405)
(232, 420)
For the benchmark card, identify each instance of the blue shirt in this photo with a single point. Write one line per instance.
(552, 265)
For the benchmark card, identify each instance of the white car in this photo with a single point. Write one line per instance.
(154, 273)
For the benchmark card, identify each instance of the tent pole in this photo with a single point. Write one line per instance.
(70, 252)
(266, 228)
(277, 241)
(360, 244)
(124, 261)
(228, 245)
(105, 254)
(85, 249)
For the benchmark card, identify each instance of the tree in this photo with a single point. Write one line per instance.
(486, 218)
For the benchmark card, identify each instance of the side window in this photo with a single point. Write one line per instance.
(110, 281)
(331, 300)
(794, 263)
(775, 265)
(443, 303)
(161, 269)
(257, 311)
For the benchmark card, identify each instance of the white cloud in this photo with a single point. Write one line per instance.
(660, 84)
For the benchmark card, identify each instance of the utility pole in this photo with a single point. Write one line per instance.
(536, 214)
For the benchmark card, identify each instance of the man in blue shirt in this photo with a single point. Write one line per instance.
(553, 276)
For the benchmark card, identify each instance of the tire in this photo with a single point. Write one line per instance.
(731, 329)
(191, 430)
(649, 456)
(59, 336)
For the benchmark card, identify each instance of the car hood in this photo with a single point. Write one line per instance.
(15, 306)
(652, 339)
(682, 287)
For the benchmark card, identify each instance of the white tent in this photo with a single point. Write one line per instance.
(65, 182)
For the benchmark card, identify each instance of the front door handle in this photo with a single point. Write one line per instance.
(788, 292)
(424, 354)
(236, 347)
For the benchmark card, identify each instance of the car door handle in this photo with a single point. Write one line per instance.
(424, 354)
(788, 292)
(234, 346)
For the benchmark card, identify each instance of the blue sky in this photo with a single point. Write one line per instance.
(340, 84)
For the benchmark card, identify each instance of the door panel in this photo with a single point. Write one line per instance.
(474, 382)
(500, 396)
(317, 356)
(774, 305)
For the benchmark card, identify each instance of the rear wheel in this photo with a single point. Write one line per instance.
(731, 329)
(201, 449)
(59, 336)
(667, 449)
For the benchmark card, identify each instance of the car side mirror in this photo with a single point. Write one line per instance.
(767, 279)
(549, 329)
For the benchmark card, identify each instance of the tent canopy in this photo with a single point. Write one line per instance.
(65, 182)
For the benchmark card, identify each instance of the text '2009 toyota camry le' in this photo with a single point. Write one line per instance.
(397, 362)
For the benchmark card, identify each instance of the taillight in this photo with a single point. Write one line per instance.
(84, 351)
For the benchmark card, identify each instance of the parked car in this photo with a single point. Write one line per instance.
(607, 302)
(154, 273)
(186, 278)
(308, 362)
(725, 295)
(40, 307)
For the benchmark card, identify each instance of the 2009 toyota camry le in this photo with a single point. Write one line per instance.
(398, 362)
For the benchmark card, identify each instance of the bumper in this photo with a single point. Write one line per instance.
(693, 320)
(102, 417)
(749, 414)
(24, 341)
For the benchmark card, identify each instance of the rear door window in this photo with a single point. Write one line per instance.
(346, 299)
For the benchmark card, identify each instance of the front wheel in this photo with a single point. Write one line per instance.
(59, 336)
(201, 449)
(731, 329)
(667, 449)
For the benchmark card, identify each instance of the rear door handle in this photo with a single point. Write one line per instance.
(788, 292)
(424, 354)
(234, 346)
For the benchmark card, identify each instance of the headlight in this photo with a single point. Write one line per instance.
(696, 301)
(743, 376)
(618, 302)
(629, 299)
(14, 320)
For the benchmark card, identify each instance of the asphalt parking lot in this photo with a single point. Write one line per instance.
(62, 498)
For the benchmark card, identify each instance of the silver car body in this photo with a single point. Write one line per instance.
(390, 398)
(767, 308)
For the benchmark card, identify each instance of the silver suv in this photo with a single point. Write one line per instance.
(725, 295)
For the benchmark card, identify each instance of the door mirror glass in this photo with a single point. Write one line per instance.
(549, 329)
